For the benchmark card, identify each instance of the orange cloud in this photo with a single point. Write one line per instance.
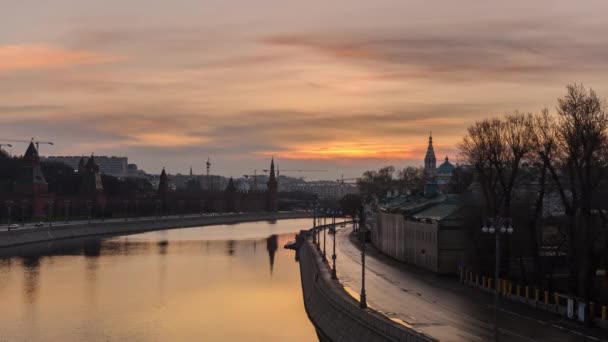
(167, 140)
(40, 56)
(349, 150)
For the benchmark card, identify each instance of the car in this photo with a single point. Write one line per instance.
(39, 224)
(13, 226)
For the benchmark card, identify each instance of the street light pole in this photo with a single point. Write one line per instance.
(66, 206)
(9, 205)
(333, 257)
(51, 202)
(126, 203)
(324, 238)
(363, 297)
(498, 226)
(23, 205)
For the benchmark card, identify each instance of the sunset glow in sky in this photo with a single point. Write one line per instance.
(342, 85)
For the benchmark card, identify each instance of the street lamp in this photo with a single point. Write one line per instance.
(9, 205)
(51, 202)
(126, 204)
(314, 223)
(156, 209)
(333, 256)
(362, 229)
(23, 206)
(498, 226)
(136, 205)
(66, 206)
(324, 238)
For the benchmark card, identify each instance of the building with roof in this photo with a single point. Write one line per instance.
(444, 172)
(112, 166)
(425, 229)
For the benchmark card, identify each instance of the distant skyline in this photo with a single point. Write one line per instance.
(343, 85)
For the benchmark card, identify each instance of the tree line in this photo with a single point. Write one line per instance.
(529, 158)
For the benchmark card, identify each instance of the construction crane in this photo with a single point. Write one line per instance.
(208, 164)
(37, 142)
(255, 178)
(298, 171)
(343, 180)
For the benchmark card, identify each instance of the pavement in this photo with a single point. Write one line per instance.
(440, 306)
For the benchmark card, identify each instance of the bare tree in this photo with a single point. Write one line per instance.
(411, 179)
(582, 134)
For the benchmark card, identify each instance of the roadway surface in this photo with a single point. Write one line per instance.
(440, 306)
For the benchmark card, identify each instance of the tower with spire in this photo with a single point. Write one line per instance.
(31, 180)
(430, 170)
(272, 190)
(31, 183)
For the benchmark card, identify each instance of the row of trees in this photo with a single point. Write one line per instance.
(409, 179)
(537, 155)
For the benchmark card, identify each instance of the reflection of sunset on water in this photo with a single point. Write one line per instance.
(167, 285)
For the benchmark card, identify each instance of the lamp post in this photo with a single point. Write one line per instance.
(23, 206)
(314, 223)
(51, 202)
(136, 205)
(66, 207)
(498, 226)
(156, 210)
(126, 205)
(333, 256)
(324, 238)
(9, 205)
(362, 230)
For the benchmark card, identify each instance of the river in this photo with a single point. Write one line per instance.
(214, 283)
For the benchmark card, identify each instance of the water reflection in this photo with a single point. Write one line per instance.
(31, 265)
(182, 285)
(271, 247)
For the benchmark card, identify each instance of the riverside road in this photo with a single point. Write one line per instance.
(440, 306)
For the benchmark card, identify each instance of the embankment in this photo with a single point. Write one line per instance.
(335, 314)
(32, 235)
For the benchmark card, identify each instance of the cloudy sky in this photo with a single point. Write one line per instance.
(342, 85)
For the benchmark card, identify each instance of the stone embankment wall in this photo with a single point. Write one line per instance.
(32, 235)
(336, 315)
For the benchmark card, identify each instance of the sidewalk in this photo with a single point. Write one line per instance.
(442, 307)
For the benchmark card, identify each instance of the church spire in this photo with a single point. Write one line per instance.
(271, 177)
(430, 162)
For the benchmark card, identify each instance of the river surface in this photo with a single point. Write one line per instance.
(215, 283)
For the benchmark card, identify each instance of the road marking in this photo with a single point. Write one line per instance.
(559, 327)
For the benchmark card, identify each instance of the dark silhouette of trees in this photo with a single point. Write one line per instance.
(566, 154)
(377, 182)
(350, 204)
(411, 179)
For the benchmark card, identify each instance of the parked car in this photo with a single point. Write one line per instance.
(39, 224)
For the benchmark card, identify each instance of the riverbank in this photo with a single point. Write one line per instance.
(42, 234)
(337, 315)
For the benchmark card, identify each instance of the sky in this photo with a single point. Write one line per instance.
(341, 85)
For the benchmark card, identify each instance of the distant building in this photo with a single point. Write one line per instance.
(423, 230)
(444, 172)
(112, 166)
(326, 189)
